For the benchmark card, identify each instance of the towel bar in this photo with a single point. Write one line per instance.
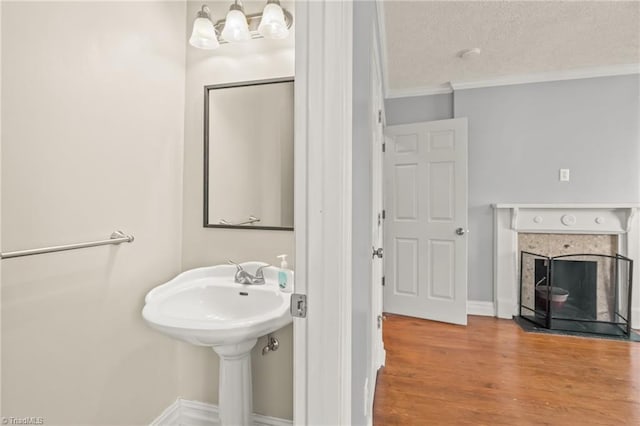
(117, 237)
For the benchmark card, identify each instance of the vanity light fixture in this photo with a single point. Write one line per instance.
(235, 26)
(273, 22)
(203, 35)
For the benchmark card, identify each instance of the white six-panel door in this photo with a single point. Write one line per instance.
(425, 173)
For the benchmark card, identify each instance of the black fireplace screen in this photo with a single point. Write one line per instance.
(588, 293)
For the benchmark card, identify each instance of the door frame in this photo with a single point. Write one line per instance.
(323, 219)
(377, 293)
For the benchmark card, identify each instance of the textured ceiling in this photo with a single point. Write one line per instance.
(422, 39)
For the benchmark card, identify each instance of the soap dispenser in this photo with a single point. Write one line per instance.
(283, 274)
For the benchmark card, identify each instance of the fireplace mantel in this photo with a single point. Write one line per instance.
(621, 219)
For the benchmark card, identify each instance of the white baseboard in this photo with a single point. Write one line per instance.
(485, 309)
(506, 308)
(195, 413)
(635, 318)
(170, 415)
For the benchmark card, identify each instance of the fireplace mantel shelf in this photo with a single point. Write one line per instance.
(593, 218)
(567, 206)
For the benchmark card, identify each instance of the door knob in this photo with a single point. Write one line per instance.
(378, 252)
(461, 231)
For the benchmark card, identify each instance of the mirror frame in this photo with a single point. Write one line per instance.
(207, 89)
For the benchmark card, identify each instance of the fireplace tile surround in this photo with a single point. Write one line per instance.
(548, 228)
(549, 244)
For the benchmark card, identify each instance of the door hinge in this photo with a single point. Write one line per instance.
(379, 219)
(298, 307)
(379, 321)
(379, 116)
(384, 147)
(384, 214)
(383, 280)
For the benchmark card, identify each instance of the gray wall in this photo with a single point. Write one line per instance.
(418, 108)
(519, 136)
(364, 17)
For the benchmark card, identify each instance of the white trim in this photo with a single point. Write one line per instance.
(371, 397)
(633, 252)
(567, 206)
(170, 415)
(376, 160)
(196, 413)
(542, 77)
(481, 308)
(380, 68)
(605, 218)
(507, 80)
(1, 180)
(323, 219)
(383, 47)
(301, 86)
(439, 89)
(184, 412)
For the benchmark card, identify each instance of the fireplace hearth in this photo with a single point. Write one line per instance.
(585, 293)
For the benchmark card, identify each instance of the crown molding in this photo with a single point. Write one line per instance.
(419, 91)
(508, 80)
(573, 74)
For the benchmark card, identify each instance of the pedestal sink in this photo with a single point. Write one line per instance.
(205, 307)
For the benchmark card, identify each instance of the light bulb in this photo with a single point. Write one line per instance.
(272, 24)
(203, 35)
(235, 25)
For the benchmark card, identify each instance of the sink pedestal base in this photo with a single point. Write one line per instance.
(235, 392)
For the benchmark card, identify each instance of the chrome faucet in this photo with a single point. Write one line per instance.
(243, 277)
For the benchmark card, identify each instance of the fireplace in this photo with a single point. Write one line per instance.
(552, 230)
(585, 293)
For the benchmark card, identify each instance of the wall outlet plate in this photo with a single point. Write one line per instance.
(565, 175)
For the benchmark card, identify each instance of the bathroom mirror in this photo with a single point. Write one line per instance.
(248, 155)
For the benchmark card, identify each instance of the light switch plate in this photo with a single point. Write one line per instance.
(564, 175)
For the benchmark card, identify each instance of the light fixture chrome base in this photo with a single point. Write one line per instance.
(204, 12)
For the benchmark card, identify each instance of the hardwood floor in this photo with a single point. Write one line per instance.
(493, 373)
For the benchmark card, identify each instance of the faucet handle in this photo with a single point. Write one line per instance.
(231, 262)
(240, 272)
(260, 272)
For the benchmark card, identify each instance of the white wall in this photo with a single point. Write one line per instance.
(92, 141)
(259, 59)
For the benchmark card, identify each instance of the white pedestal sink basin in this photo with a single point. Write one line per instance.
(206, 307)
